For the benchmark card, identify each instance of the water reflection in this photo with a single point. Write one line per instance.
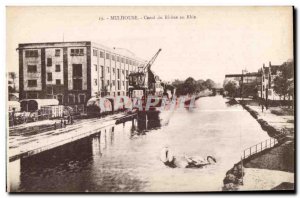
(125, 157)
(56, 169)
(146, 122)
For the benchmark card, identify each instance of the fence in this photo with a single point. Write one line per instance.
(269, 143)
(36, 129)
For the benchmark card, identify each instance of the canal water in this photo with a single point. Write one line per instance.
(126, 157)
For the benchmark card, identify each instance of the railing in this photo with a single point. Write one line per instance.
(257, 148)
(37, 129)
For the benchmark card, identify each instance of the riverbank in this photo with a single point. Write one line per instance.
(279, 124)
(274, 120)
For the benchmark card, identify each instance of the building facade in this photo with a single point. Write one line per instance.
(73, 72)
(268, 75)
(249, 83)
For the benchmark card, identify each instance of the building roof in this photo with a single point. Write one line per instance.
(240, 75)
(120, 51)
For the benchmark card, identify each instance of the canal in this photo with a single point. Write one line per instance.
(126, 157)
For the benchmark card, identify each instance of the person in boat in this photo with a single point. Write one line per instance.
(170, 160)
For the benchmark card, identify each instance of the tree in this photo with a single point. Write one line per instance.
(190, 86)
(250, 89)
(210, 84)
(232, 87)
(13, 76)
(284, 81)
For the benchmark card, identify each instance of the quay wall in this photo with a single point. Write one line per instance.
(279, 157)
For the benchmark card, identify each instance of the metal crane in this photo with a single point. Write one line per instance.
(150, 63)
(140, 80)
(137, 79)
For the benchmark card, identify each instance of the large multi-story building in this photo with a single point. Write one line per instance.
(73, 72)
(249, 83)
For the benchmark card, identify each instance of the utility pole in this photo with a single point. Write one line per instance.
(242, 85)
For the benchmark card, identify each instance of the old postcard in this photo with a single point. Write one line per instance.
(150, 99)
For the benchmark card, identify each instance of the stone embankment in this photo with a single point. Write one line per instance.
(277, 158)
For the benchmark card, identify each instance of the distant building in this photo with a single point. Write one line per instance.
(73, 72)
(268, 76)
(245, 80)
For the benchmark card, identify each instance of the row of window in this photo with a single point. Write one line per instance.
(115, 58)
(80, 52)
(33, 68)
(33, 83)
(113, 83)
(35, 53)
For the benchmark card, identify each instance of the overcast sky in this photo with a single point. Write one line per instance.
(221, 40)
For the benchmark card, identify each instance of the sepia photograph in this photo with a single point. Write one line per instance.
(150, 99)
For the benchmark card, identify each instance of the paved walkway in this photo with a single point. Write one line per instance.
(279, 122)
(263, 179)
(24, 145)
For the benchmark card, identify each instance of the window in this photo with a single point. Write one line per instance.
(31, 53)
(32, 83)
(126, 72)
(96, 67)
(122, 60)
(118, 59)
(77, 70)
(102, 71)
(49, 61)
(81, 98)
(57, 52)
(108, 82)
(118, 73)
(102, 84)
(114, 83)
(31, 69)
(95, 52)
(113, 57)
(95, 82)
(58, 82)
(119, 85)
(77, 84)
(107, 56)
(108, 70)
(123, 71)
(49, 76)
(126, 61)
(123, 83)
(114, 71)
(57, 68)
(77, 52)
(49, 90)
(71, 99)
(101, 54)
(60, 99)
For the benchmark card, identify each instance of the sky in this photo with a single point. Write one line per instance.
(218, 41)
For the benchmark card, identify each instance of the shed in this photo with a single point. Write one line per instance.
(35, 104)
